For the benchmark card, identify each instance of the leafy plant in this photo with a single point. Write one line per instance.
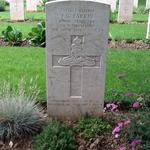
(146, 41)
(19, 115)
(92, 126)
(140, 128)
(55, 136)
(140, 10)
(37, 35)
(2, 5)
(12, 35)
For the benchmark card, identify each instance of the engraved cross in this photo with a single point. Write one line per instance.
(77, 60)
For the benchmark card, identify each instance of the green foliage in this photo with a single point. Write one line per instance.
(146, 41)
(92, 126)
(140, 128)
(19, 115)
(44, 2)
(55, 136)
(2, 5)
(141, 10)
(37, 35)
(12, 35)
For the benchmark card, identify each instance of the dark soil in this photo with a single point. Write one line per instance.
(24, 43)
(139, 44)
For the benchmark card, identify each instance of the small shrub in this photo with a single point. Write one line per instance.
(92, 126)
(140, 10)
(55, 136)
(19, 115)
(140, 129)
(146, 41)
(2, 5)
(37, 35)
(12, 35)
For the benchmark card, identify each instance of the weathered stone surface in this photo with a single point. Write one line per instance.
(16, 10)
(125, 10)
(148, 27)
(31, 5)
(112, 3)
(77, 38)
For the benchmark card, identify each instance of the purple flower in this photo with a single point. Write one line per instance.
(136, 142)
(120, 124)
(114, 107)
(116, 130)
(122, 148)
(126, 122)
(108, 105)
(136, 105)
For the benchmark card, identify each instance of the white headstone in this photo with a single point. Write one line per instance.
(40, 2)
(136, 3)
(148, 4)
(148, 27)
(112, 3)
(125, 12)
(16, 10)
(31, 5)
(77, 38)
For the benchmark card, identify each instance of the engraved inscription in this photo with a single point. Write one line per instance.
(77, 58)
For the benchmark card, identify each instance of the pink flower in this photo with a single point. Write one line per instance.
(126, 122)
(136, 142)
(122, 148)
(120, 124)
(117, 135)
(114, 107)
(136, 105)
(108, 105)
(116, 130)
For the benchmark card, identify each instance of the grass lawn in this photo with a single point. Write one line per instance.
(136, 17)
(26, 63)
(141, 17)
(41, 16)
(128, 31)
(133, 66)
(28, 15)
(118, 31)
(29, 63)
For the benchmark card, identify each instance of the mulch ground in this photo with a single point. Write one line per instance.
(139, 44)
(103, 142)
